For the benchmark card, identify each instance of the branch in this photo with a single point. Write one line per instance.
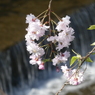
(49, 8)
(89, 53)
(50, 4)
(62, 88)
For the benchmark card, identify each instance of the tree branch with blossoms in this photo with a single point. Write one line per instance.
(42, 36)
(48, 41)
(76, 77)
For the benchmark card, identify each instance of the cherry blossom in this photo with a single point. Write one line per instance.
(41, 66)
(64, 38)
(52, 39)
(74, 77)
(61, 58)
(63, 23)
(61, 38)
(35, 49)
(36, 30)
(31, 18)
(67, 72)
(28, 39)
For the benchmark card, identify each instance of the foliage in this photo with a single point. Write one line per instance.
(91, 27)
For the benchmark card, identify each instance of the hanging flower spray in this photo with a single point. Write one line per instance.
(45, 41)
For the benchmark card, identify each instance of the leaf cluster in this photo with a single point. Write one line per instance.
(79, 59)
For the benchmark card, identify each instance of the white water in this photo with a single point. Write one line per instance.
(53, 85)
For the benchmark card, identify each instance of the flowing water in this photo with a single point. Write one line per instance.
(18, 77)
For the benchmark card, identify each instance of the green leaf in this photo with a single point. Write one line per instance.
(93, 53)
(89, 59)
(46, 60)
(78, 56)
(73, 59)
(74, 52)
(93, 44)
(91, 27)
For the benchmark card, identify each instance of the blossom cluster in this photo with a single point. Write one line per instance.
(65, 34)
(58, 38)
(74, 76)
(35, 30)
(61, 58)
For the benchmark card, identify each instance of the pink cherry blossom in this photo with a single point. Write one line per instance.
(67, 72)
(36, 30)
(61, 38)
(77, 77)
(28, 39)
(64, 38)
(41, 66)
(61, 58)
(62, 45)
(31, 18)
(66, 54)
(52, 39)
(35, 60)
(63, 23)
(35, 49)
(64, 68)
(74, 77)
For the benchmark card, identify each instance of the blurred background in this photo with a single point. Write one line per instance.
(17, 76)
(13, 14)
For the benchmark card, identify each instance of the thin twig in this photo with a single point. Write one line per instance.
(49, 8)
(41, 13)
(88, 54)
(56, 16)
(50, 4)
(62, 88)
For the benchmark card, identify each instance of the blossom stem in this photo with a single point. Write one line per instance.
(44, 45)
(47, 48)
(74, 66)
(53, 26)
(89, 53)
(41, 13)
(45, 15)
(53, 22)
(49, 9)
(62, 88)
(49, 18)
(43, 40)
(50, 4)
(56, 16)
(42, 17)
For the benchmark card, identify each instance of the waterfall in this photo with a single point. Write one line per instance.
(17, 74)
(5, 72)
(80, 21)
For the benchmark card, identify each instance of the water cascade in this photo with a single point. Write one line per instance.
(16, 74)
